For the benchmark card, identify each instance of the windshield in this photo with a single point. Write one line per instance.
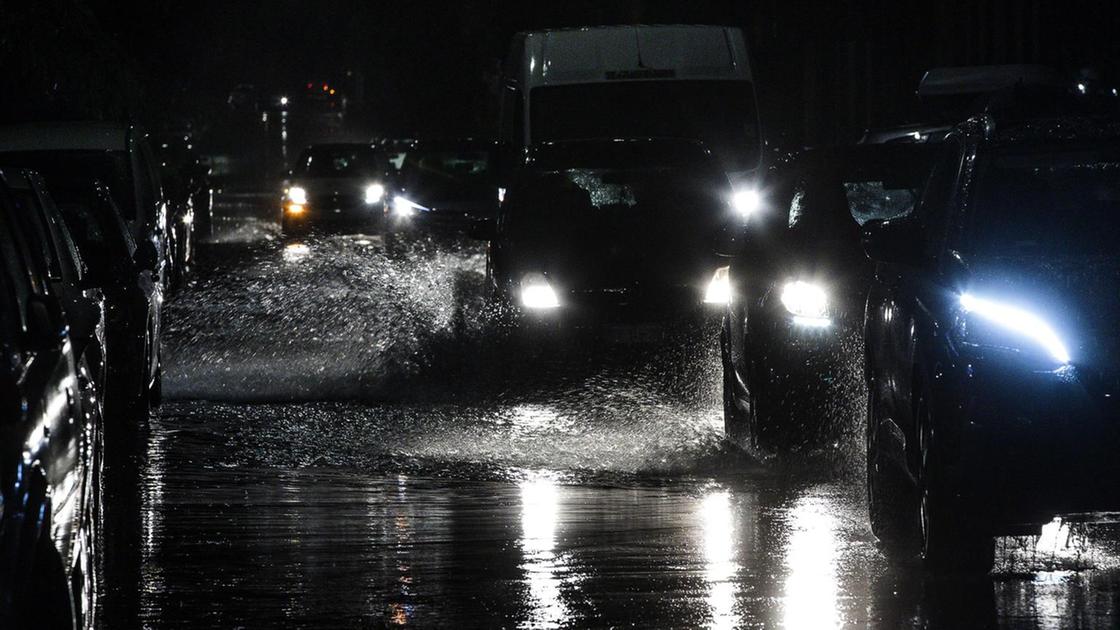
(1048, 202)
(844, 189)
(359, 161)
(443, 174)
(719, 113)
(69, 168)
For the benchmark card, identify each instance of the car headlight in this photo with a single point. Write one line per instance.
(295, 208)
(297, 194)
(807, 302)
(1018, 321)
(537, 292)
(403, 207)
(746, 202)
(719, 288)
(374, 193)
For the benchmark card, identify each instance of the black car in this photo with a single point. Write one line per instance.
(56, 252)
(617, 235)
(336, 186)
(991, 341)
(443, 187)
(115, 154)
(120, 268)
(50, 448)
(790, 334)
(189, 196)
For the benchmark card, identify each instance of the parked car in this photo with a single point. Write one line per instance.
(617, 236)
(798, 287)
(50, 447)
(121, 269)
(189, 197)
(339, 186)
(991, 341)
(116, 154)
(56, 252)
(443, 187)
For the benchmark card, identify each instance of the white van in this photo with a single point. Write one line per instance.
(634, 82)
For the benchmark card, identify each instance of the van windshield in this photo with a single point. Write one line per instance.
(719, 113)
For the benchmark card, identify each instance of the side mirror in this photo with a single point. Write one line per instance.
(44, 323)
(483, 229)
(894, 241)
(146, 256)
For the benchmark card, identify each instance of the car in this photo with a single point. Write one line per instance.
(120, 268)
(618, 237)
(117, 155)
(50, 447)
(190, 198)
(70, 279)
(797, 291)
(991, 345)
(442, 188)
(340, 185)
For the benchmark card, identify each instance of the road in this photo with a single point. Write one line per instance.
(341, 447)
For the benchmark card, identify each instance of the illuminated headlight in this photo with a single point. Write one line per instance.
(807, 302)
(746, 202)
(537, 293)
(1018, 321)
(719, 288)
(297, 194)
(403, 207)
(295, 208)
(374, 193)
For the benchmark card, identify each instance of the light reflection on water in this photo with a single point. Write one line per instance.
(811, 558)
(540, 508)
(720, 552)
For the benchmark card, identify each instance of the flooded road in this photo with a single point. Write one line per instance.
(344, 444)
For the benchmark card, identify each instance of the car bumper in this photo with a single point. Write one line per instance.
(623, 318)
(1035, 444)
(314, 216)
(801, 358)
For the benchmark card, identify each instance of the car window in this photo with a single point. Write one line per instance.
(936, 207)
(14, 265)
(147, 181)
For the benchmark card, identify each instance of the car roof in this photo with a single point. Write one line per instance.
(65, 136)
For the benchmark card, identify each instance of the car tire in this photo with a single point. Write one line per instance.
(950, 540)
(48, 602)
(890, 499)
(735, 424)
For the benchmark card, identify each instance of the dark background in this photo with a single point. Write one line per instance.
(825, 71)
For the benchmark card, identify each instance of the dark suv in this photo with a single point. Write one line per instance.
(991, 341)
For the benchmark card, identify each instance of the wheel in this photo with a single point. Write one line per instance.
(890, 500)
(155, 390)
(950, 540)
(735, 425)
(48, 602)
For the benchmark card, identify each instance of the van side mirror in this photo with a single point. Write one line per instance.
(898, 241)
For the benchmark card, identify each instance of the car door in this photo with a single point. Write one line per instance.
(902, 303)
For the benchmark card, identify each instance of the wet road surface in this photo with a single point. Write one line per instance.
(341, 447)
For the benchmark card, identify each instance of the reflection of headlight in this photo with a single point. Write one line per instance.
(403, 207)
(1018, 321)
(537, 293)
(719, 288)
(374, 193)
(746, 202)
(807, 302)
(297, 194)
